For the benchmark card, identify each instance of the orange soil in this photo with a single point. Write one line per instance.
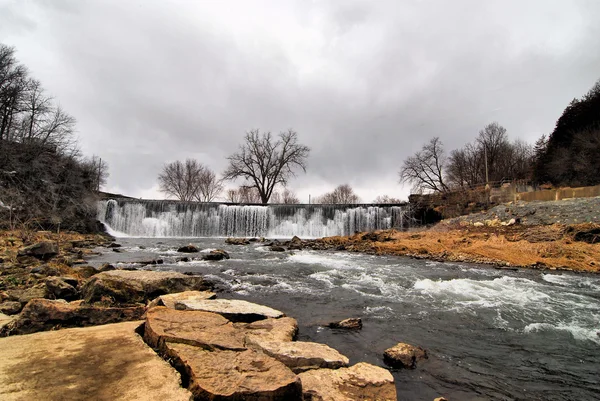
(520, 246)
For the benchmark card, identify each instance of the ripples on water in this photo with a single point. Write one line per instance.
(491, 334)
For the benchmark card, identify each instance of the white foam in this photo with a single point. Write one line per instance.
(577, 332)
(337, 261)
(487, 293)
(573, 280)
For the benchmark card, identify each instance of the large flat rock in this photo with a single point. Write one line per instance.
(233, 309)
(201, 329)
(231, 375)
(125, 286)
(282, 329)
(169, 300)
(301, 355)
(109, 362)
(362, 381)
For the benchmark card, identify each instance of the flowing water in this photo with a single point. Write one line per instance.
(147, 218)
(491, 334)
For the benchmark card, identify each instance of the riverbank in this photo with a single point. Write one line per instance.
(554, 247)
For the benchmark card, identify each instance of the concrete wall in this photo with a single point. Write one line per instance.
(559, 193)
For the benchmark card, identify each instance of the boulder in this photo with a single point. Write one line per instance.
(10, 307)
(233, 309)
(404, 355)
(24, 296)
(353, 323)
(277, 248)
(231, 375)
(109, 362)
(301, 355)
(200, 329)
(169, 300)
(237, 241)
(85, 271)
(4, 320)
(106, 267)
(59, 288)
(362, 381)
(138, 286)
(42, 250)
(216, 254)
(45, 314)
(113, 245)
(46, 270)
(188, 249)
(295, 243)
(281, 329)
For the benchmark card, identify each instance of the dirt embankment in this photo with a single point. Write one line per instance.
(568, 247)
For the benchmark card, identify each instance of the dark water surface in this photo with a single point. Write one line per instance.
(491, 334)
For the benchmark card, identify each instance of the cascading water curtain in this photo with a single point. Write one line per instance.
(192, 219)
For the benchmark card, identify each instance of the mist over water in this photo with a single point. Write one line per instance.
(191, 219)
(491, 334)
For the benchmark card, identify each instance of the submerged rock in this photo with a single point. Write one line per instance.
(277, 248)
(216, 254)
(353, 323)
(232, 309)
(188, 249)
(404, 355)
(362, 381)
(45, 314)
(42, 250)
(237, 241)
(138, 286)
(246, 375)
(109, 362)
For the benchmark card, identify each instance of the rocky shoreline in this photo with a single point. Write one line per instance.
(88, 320)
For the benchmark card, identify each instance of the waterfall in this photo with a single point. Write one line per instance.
(146, 218)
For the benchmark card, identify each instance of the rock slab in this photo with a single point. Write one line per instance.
(169, 300)
(232, 309)
(231, 375)
(362, 381)
(123, 286)
(301, 355)
(201, 329)
(109, 362)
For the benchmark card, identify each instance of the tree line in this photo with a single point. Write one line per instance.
(569, 156)
(44, 180)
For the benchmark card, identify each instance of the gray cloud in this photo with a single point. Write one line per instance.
(364, 83)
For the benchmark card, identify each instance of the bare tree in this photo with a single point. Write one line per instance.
(232, 195)
(96, 171)
(285, 197)
(341, 195)
(386, 199)
(265, 162)
(189, 180)
(425, 169)
(180, 179)
(209, 187)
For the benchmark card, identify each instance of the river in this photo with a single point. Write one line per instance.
(491, 334)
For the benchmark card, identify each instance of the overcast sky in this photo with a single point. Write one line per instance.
(364, 83)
